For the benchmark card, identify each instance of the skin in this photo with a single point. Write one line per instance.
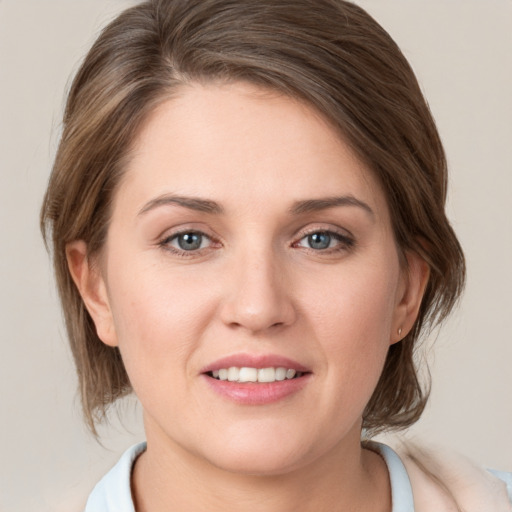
(255, 286)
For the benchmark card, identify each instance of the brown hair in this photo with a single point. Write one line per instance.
(329, 53)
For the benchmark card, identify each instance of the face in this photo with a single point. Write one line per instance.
(246, 234)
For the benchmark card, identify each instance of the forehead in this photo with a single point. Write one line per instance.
(238, 141)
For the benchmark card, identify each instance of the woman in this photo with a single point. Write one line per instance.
(247, 216)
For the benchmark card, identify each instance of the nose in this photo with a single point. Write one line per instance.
(258, 296)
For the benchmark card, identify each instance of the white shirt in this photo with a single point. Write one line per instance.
(113, 492)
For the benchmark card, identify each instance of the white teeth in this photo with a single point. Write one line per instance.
(266, 375)
(233, 374)
(290, 374)
(280, 373)
(247, 374)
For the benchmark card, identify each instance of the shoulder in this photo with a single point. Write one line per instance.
(442, 479)
(113, 492)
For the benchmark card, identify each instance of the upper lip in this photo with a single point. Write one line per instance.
(255, 361)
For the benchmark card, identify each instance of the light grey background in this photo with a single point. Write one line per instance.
(460, 50)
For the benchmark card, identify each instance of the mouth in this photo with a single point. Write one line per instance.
(256, 379)
(250, 374)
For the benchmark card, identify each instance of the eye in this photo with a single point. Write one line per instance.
(190, 241)
(187, 241)
(325, 240)
(319, 240)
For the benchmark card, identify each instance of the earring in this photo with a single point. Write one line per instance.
(399, 331)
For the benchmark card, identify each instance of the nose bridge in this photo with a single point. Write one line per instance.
(258, 297)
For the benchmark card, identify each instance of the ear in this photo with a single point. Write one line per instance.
(91, 285)
(415, 275)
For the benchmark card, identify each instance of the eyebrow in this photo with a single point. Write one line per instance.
(193, 203)
(212, 207)
(313, 205)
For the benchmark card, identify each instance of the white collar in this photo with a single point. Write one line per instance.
(113, 492)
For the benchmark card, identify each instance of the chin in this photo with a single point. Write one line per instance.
(262, 455)
(259, 463)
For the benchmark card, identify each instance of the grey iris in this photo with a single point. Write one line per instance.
(319, 240)
(190, 241)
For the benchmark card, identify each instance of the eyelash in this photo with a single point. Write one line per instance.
(165, 243)
(345, 242)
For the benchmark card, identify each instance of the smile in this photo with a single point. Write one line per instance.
(249, 374)
(256, 379)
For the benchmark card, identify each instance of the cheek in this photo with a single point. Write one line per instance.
(352, 319)
(158, 318)
(358, 303)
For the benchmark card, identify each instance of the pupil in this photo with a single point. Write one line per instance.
(189, 241)
(319, 240)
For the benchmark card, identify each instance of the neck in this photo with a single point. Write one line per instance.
(167, 477)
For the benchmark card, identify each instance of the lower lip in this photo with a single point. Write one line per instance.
(251, 393)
